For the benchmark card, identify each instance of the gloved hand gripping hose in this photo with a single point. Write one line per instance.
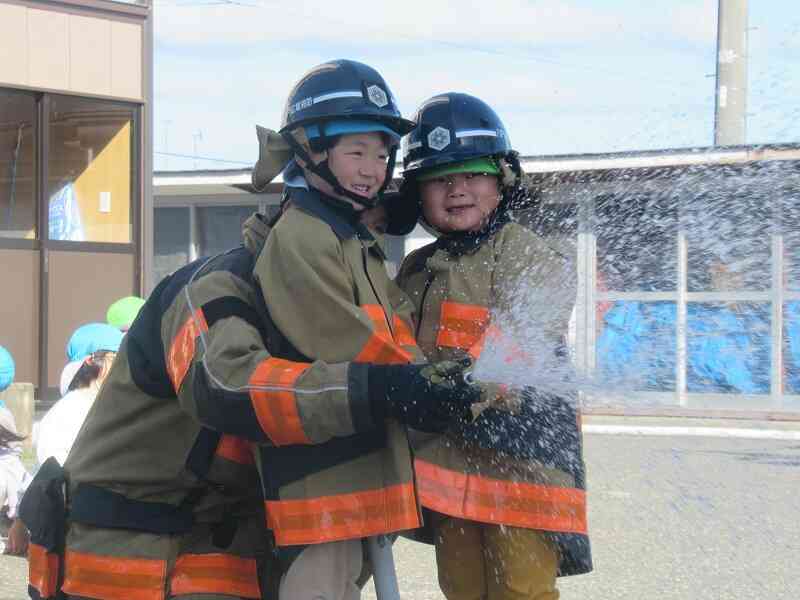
(427, 397)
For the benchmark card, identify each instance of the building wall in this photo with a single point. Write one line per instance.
(59, 49)
(76, 107)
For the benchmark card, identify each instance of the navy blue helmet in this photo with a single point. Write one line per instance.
(452, 128)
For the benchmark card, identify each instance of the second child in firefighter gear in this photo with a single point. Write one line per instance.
(160, 495)
(507, 490)
(326, 290)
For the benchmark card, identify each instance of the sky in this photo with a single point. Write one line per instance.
(565, 76)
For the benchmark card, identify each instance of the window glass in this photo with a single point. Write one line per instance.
(636, 345)
(791, 240)
(728, 347)
(791, 349)
(219, 228)
(729, 240)
(170, 240)
(17, 165)
(90, 171)
(636, 242)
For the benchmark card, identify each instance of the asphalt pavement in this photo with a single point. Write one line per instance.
(670, 517)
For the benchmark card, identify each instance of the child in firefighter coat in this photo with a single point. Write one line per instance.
(507, 490)
(326, 290)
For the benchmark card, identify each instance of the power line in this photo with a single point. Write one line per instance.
(195, 157)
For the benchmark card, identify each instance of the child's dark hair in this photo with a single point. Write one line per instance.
(89, 371)
(7, 437)
(322, 144)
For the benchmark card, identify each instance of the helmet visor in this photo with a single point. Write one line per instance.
(351, 126)
(485, 165)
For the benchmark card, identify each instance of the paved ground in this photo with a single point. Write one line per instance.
(670, 517)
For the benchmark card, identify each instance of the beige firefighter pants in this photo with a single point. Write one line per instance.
(478, 561)
(324, 572)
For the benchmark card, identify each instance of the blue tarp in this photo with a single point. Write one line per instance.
(636, 346)
(791, 359)
(728, 347)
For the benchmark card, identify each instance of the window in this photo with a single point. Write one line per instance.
(90, 171)
(791, 347)
(790, 216)
(636, 242)
(17, 165)
(636, 346)
(729, 239)
(171, 240)
(728, 347)
(219, 228)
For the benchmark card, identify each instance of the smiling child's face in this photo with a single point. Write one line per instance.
(459, 202)
(359, 163)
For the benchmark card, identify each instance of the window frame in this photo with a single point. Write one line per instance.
(43, 244)
(583, 188)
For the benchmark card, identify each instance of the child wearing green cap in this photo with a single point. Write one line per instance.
(122, 313)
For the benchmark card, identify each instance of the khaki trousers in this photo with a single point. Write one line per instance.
(324, 572)
(478, 561)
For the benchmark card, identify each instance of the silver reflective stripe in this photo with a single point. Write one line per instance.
(335, 95)
(476, 132)
(414, 145)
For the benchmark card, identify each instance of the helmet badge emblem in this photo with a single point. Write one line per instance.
(439, 138)
(377, 96)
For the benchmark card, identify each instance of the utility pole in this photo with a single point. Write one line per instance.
(197, 137)
(166, 144)
(730, 120)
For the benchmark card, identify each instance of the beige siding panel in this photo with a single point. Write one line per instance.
(89, 55)
(82, 286)
(14, 45)
(126, 60)
(48, 49)
(19, 311)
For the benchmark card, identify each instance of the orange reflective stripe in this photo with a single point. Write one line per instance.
(277, 410)
(42, 570)
(215, 574)
(344, 516)
(511, 503)
(402, 332)
(381, 348)
(490, 333)
(235, 449)
(181, 351)
(513, 352)
(114, 578)
(461, 325)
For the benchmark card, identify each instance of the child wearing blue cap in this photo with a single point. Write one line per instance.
(13, 475)
(6, 369)
(94, 347)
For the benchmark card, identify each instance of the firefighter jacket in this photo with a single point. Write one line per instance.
(328, 294)
(163, 494)
(522, 469)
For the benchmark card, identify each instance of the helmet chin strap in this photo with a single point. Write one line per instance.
(323, 170)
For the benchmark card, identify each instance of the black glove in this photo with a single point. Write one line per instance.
(403, 209)
(427, 397)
